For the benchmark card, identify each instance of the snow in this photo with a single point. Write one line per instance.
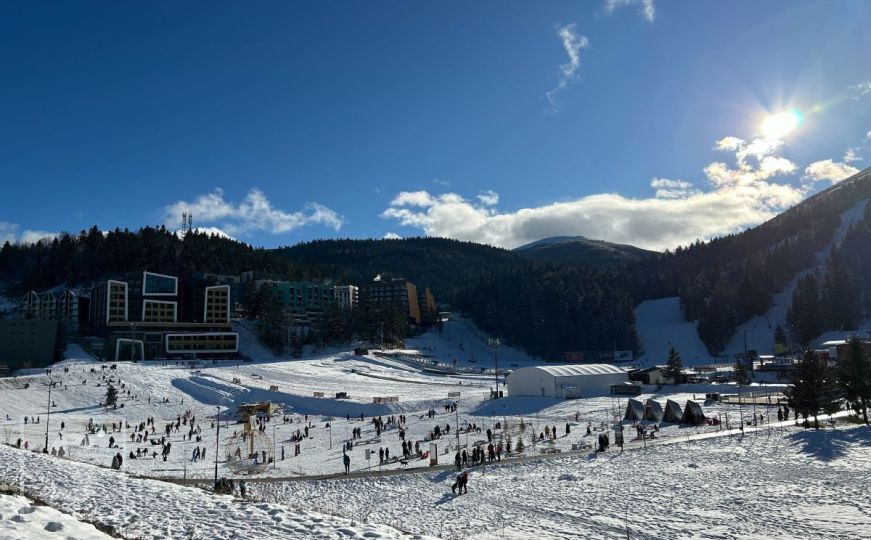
(460, 339)
(765, 485)
(661, 325)
(20, 519)
(143, 508)
(566, 496)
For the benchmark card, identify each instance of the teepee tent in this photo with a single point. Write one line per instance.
(634, 410)
(692, 414)
(652, 411)
(673, 412)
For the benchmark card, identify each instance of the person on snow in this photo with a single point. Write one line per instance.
(458, 461)
(346, 459)
(461, 483)
(117, 461)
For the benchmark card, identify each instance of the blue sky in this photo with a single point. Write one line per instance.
(635, 121)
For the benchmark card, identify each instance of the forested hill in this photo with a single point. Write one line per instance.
(580, 251)
(727, 281)
(78, 259)
(544, 308)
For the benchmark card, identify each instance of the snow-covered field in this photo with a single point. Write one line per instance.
(142, 508)
(559, 497)
(795, 484)
(24, 520)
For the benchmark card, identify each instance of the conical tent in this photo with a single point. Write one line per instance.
(673, 412)
(692, 414)
(634, 410)
(652, 411)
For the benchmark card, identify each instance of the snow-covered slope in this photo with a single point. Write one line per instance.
(661, 325)
(460, 339)
(21, 519)
(759, 331)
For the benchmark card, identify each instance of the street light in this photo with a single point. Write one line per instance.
(47, 414)
(217, 441)
(495, 343)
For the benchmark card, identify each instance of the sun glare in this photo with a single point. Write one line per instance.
(780, 124)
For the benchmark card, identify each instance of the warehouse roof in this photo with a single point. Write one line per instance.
(579, 369)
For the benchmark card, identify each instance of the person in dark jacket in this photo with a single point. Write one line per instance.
(461, 483)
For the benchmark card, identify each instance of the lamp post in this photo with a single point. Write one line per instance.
(47, 414)
(217, 442)
(495, 343)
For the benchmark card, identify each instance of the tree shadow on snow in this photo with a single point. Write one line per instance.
(830, 444)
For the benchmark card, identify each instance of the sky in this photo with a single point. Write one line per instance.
(644, 122)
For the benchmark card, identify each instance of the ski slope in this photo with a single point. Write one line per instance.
(661, 325)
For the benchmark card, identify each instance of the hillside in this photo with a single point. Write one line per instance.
(543, 308)
(581, 251)
(729, 280)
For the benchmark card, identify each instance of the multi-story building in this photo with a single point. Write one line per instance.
(28, 306)
(150, 315)
(47, 306)
(303, 302)
(72, 309)
(392, 292)
(428, 310)
(346, 297)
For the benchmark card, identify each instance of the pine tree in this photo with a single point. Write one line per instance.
(742, 372)
(673, 366)
(854, 377)
(814, 389)
(111, 396)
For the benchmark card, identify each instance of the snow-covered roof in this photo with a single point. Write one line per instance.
(580, 369)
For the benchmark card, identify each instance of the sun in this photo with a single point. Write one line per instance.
(777, 125)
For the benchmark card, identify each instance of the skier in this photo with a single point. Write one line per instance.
(346, 459)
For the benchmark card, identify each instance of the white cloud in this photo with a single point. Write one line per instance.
(827, 169)
(850, 156)
(572, 43)
(488, 198)
(860, 90)
(646, 8)
(254, 213)
(392, 236)
(868, 136)
(672, 189)
(9, 233)
(729, 144)
(739, 196)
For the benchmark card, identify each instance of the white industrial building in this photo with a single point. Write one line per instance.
(573, 381)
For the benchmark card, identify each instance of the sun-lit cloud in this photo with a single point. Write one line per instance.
(9, 232)
(828, 170)
(646, 8)
(572, 43)
(737, 196)
(254, 213)
(850, 156)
